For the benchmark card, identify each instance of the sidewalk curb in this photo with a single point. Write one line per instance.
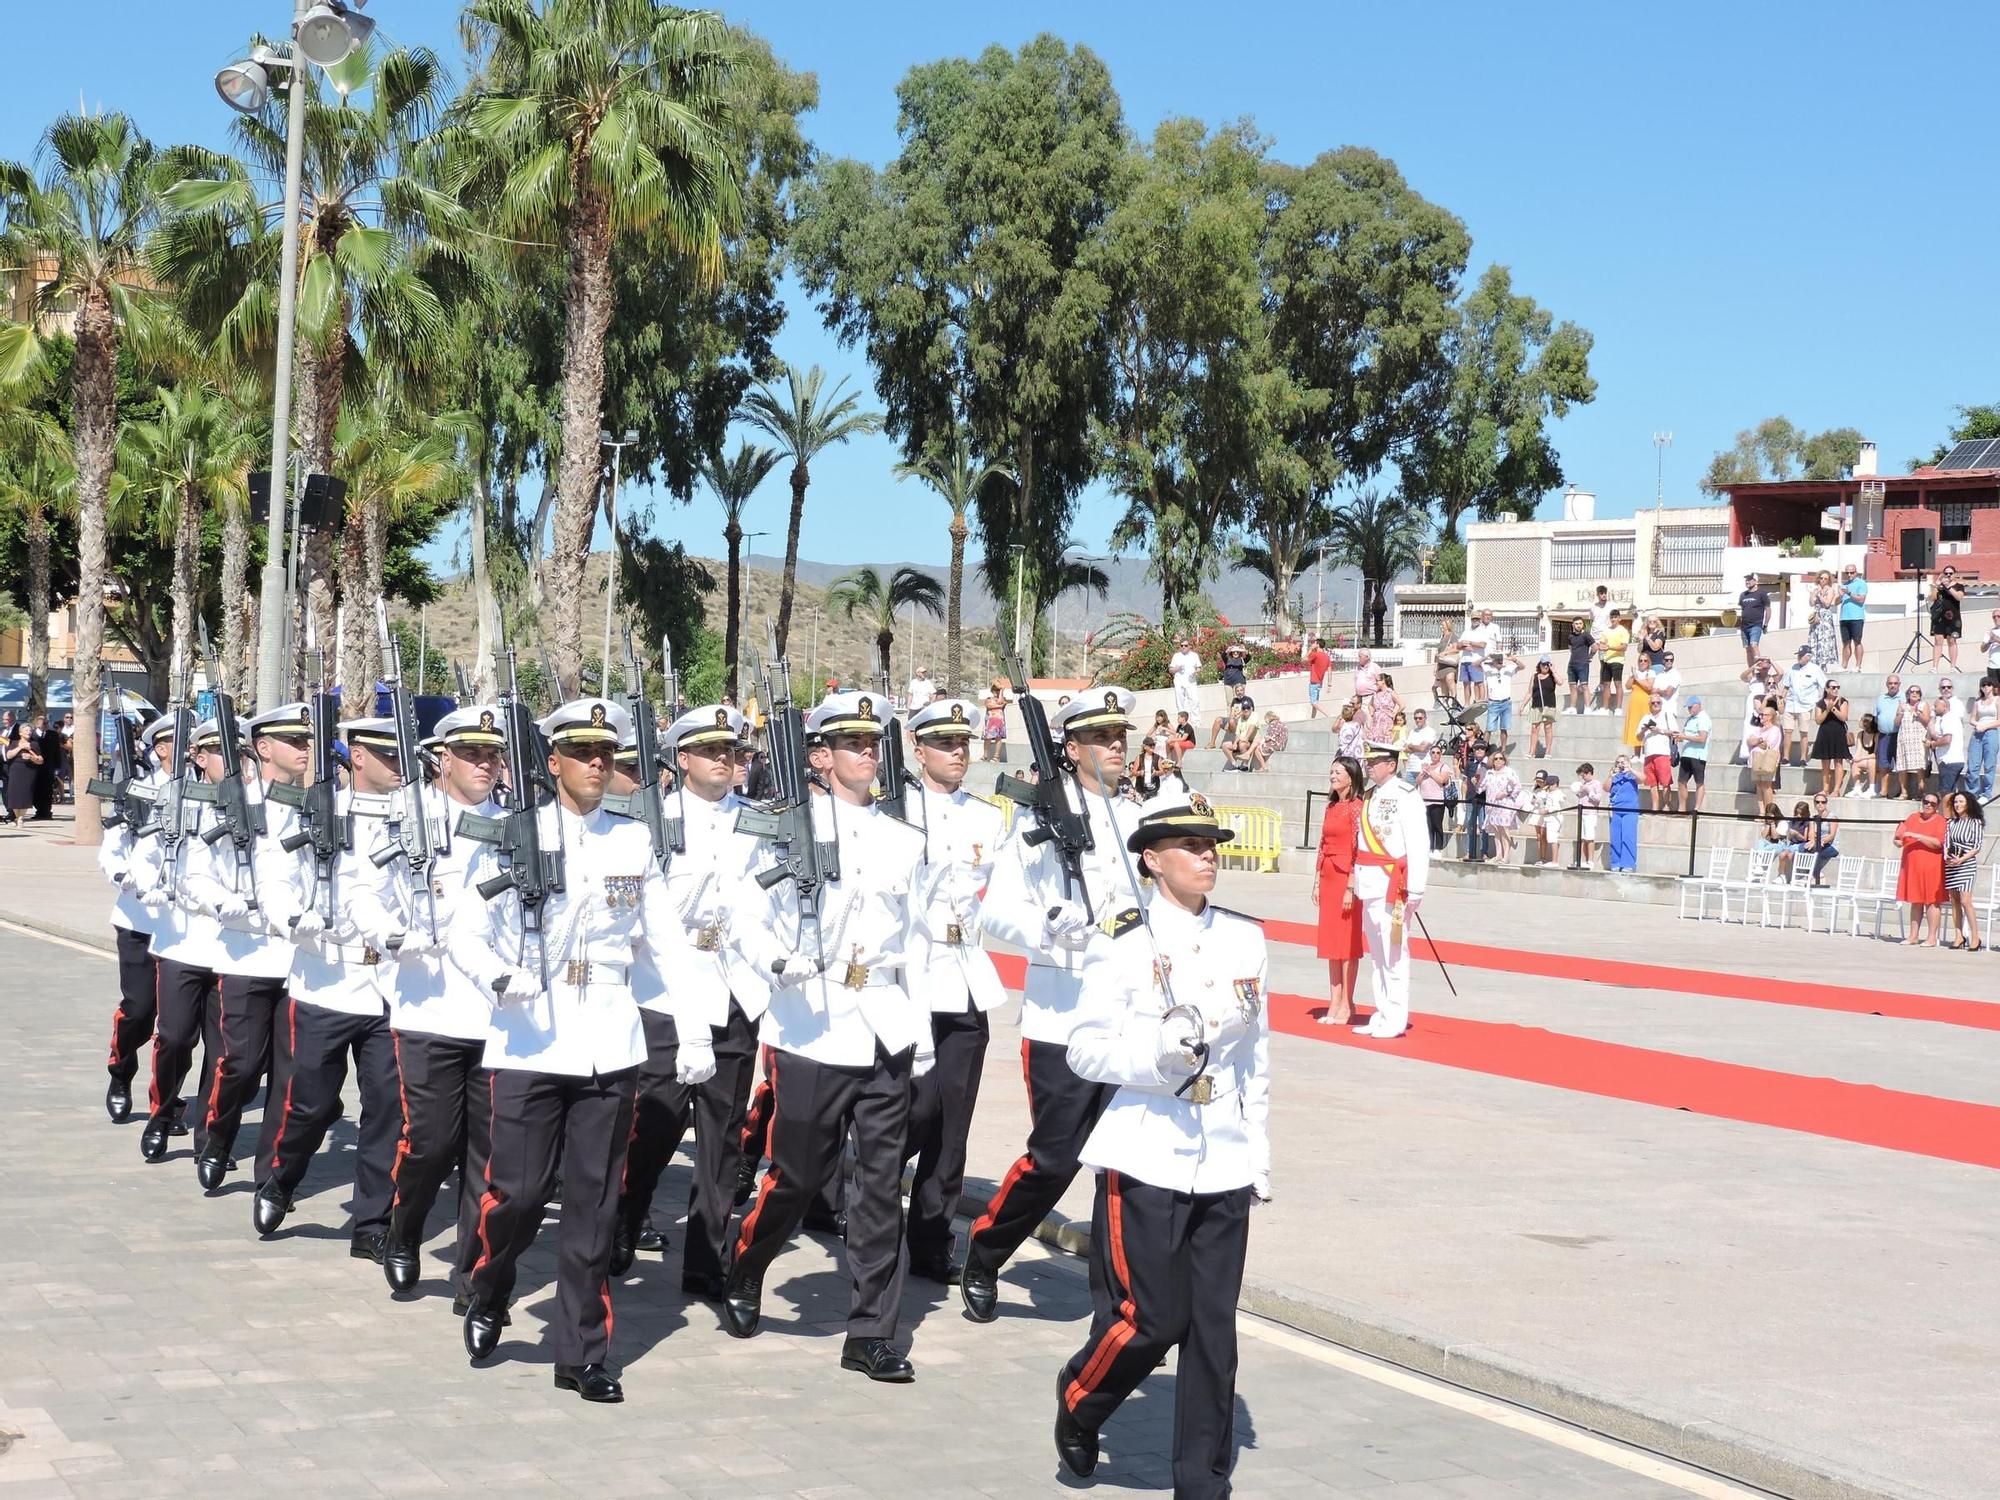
(96, 940)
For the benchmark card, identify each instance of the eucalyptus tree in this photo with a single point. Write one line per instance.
(73, 238)
(878, 599)
(805, 426)
(734, 480)
(958, 478)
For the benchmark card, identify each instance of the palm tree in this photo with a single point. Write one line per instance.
(599, 118)
(957, 476)
(37, 483)
(1380, 535)
(375, 272)
(193, 454)
(804, 427)
(866, 593)
(734, 480)
(78, 231)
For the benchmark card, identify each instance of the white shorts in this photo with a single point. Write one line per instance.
(1589, 827)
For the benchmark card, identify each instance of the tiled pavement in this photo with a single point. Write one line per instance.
(151, 1346)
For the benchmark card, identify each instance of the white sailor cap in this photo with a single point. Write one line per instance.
(1098, 708)
(945, 719)
(286, 718)
(587, 721)
(847, 713)
(378, 735)
(209, 732)
(1382, 750)
(710, 724)
(159, 729)
(475, 724)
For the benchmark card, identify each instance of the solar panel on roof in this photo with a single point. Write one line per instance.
(1974, 453)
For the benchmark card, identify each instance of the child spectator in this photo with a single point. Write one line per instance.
(1589, 794)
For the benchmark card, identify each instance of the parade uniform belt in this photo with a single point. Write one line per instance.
(857, 977)
(708, 937)
(1208, 1089)
(954, 935)
(352, 954)
(1373, 853)
(582, 971)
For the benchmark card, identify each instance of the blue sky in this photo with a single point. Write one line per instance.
(1756, 208)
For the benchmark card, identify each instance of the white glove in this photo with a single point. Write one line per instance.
(308, 927)
(792, 972)
(1070, 926)
(1171, 1048)
(922, 1063)
(229, 906)
(1260, 1186)
(129, 883)
(417, 942)
(154, 899)
(516, 986)
(694, 1062)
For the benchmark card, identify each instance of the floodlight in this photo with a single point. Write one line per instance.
(244, 86)
(325, 33)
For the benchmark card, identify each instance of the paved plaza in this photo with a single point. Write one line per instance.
(1810, 1311)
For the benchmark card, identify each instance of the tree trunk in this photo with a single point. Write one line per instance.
(38, 612)
(885, 642)
(356, 669)
(587, 314)
(235, 567)
(181, 590)
(952, 658)
(791, 580)
(94, 406)
(319, 411)
(732, 643)
(483, 602)
(1024, 509)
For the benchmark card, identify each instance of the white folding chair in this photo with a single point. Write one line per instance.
(1846, 883)
(1719, 861)
(1786, 889)
(1756, 875)
(1877, 899)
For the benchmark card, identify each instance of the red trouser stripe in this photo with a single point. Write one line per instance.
(222, 1057)
(153, 1093)
(488, 1198)
(1120, 1333)
(771, 1172)
(118, 1021)
(403, 1141)
(1021, 1164)
(291, 1073)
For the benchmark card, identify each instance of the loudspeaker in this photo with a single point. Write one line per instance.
(322, 502)
(260, 497)
(1919, 549)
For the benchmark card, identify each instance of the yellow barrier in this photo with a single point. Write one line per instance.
(1259, 836)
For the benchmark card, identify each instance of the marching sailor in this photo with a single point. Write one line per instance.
(716, 992)
(950, 972)
(336, 1007)
(1173, 1020)
(564, 1044)
(845, 1038)
(1029, 907)
(119, 857)
(437, 1015)
(1392, 862)
(255, 963)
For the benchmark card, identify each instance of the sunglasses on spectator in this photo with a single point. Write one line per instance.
(1930, 802)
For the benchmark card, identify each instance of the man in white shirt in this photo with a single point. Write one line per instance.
(922, 690)
(1804, 683)
(1185, 666)
(1948, 737)
(1367, 676)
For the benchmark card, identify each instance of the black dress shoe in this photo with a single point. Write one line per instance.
(177, 1119)
(268, 1209)
(746, 1182)
(1076, 1444)
(462, 1304)
(650, 1239)
(368, 1244)
(210, 1170)
(482, 1331)
(979, 1290)
(153, 1140)
(742, 1304)
(819, 1221)
(878, 1359)
(592, 1382)
(940, 1268)
(709, 1287)
(118, 1101)
(401, 1264)
(624, 1237)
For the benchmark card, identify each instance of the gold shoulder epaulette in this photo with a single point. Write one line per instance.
(1128, 920)
(1230, 911)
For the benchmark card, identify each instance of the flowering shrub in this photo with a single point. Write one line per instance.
(1145, 649)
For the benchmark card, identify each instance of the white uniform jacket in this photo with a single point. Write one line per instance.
(613, 908)
(182, 930)
(1393, 816)
(1215, 962)
(211, 876)
(865, 922)
(948, 970)
(1027, 881)
(339, 970)
(427, 992)
(118, 857)
(702, 880)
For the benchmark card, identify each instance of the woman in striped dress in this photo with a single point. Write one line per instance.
(1962, 840)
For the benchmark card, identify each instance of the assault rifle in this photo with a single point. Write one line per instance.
(173, 813)
(122, 790)
(892, 775)
(788, 820)
(1046, 795)
(529, 871)
(409, 824)
(463, 681)
(321, 828)
(645, 802)
(235, 818)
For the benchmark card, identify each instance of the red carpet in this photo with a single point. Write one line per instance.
(1860, 1002)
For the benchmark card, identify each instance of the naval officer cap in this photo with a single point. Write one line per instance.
(477, 724)
(285, 720)
(1382, 750)
(587, 721)
(378, 735)
(1193, 817)
(945, 719)
(160, 728)
(209, 732)
(709, 725)
(1098, 708)
(845, 713)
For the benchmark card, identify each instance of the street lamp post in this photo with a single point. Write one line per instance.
(1662, 441)
(743, 631)
(617, 447)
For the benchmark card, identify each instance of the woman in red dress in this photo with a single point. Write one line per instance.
(1339, 941)
(1921, 883)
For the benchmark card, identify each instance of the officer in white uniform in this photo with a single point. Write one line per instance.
(1174, 1020)
(438, 1016)
(1028, 906)
(715, 1002)
(1392, 862)
(565, 1044)
(118, 856)
(255, 964)
(950, 972)
(845, 1036)
(336, 1007)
